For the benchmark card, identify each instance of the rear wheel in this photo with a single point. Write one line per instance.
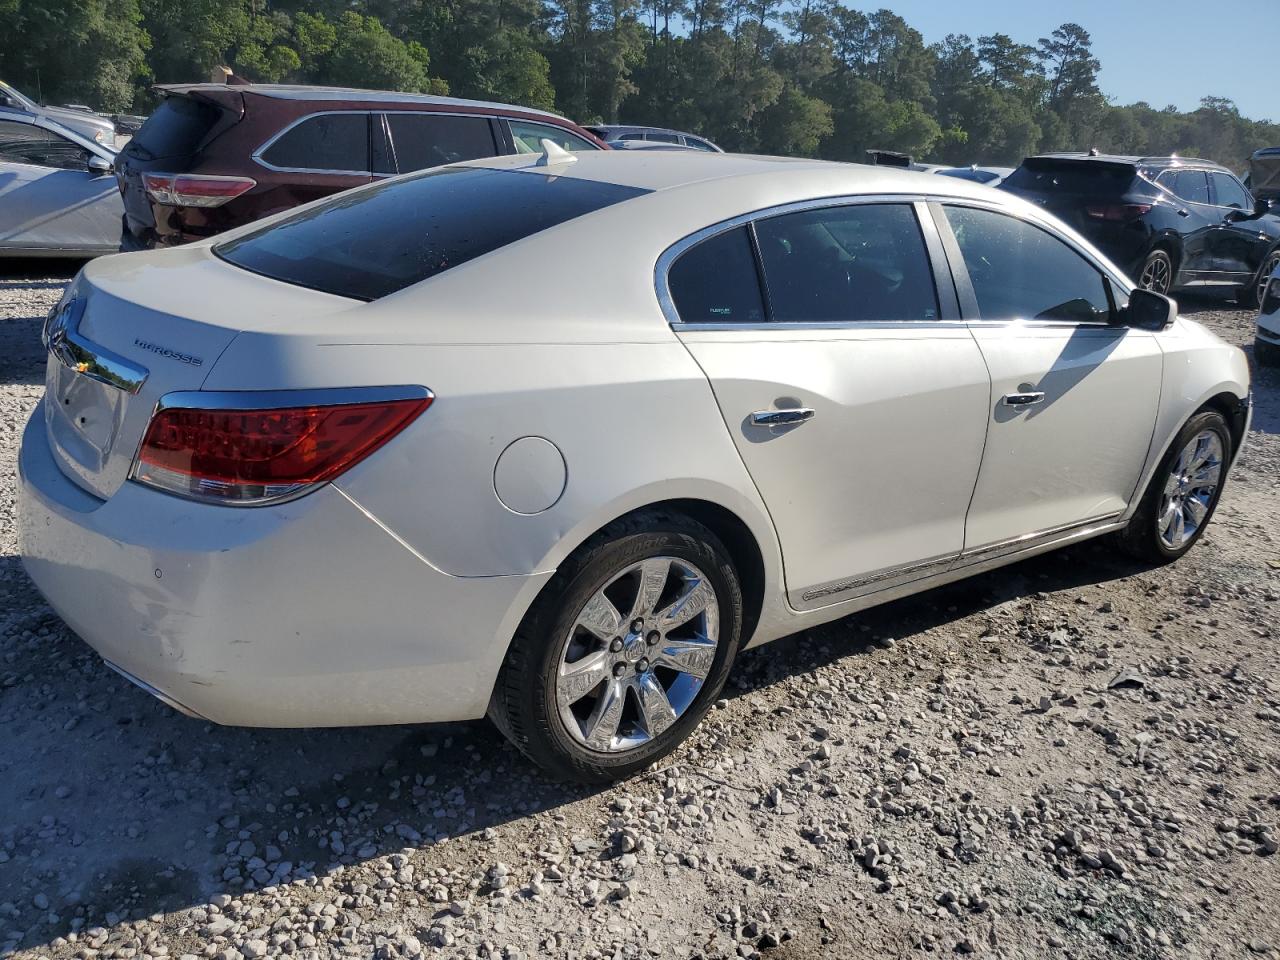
(1183, 493)
(1157, 272)
(623, 652)
(1252, 295)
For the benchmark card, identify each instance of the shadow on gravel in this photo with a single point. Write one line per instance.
(115, 807)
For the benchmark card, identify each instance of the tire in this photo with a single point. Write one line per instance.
(1266, 354)
(1146, 535)
(1251, 295)
(534, 705)
(1157, 272)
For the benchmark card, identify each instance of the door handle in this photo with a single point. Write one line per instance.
(1022, 399)
(1184, 212)
(776, 418)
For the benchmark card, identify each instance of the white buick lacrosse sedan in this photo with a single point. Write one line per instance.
(552, 438)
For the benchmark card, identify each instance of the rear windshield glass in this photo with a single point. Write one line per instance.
(175, 129)
(368, 244)
(1083, 176)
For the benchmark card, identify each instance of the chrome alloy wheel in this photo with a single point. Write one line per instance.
(1155, 275)
(1189, 490)
(637, 654)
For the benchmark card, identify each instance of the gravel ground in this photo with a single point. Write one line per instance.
(958, 772)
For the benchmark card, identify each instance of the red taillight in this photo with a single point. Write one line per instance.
(194, 190)
(1116, 211)
(256, 456)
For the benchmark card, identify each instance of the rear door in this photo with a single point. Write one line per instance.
(318, 155)
(49, 198)
(1199, 220)
(1073, 399)
(855, 399)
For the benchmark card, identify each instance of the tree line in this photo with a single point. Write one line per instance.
(799, 77)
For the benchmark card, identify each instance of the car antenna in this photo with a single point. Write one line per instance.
(553, 154)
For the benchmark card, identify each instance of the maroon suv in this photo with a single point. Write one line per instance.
(214, 156)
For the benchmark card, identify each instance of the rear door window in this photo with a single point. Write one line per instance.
(716, 281)
(1021, 272)
(324, 143)
(1191, 185)
(422, 140)
(373, 242)
(854, 263)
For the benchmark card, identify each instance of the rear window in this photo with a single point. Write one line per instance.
(1068, 176)
(174, 130)
(368, 244)
(325, 142)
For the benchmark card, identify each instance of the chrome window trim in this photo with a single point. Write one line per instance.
(257, 154)
(673, 252)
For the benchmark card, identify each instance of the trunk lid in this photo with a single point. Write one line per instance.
(134, 328)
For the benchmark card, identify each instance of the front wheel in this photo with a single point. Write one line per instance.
(623, 652)
(1253, 294)
(1183, 493)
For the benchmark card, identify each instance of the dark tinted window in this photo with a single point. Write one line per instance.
(329, 141)
(662, 137)
(424, 140)
(1021, 272)
(699, 144)
(863, 262)
(716, 281)
(1229, 193)
(1070, 176)
(376, 241)
(175, 129)
(1189, 185)
(26, 143)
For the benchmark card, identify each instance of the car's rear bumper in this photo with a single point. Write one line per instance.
(305, 614)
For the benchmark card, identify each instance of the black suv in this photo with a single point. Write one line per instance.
(1170, 222)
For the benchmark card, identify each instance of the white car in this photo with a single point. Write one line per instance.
(551, 439)
(1266, 343)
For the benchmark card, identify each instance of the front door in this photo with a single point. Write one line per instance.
(857, 407)
(1073, 398)
(49, 198)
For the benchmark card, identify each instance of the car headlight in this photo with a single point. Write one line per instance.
(1271, 299)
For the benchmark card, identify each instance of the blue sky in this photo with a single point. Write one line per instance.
(1161, 51)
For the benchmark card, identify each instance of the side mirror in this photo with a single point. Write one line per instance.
(97, 165)
(1148, 310)
(1235, 214)
(1261, 207)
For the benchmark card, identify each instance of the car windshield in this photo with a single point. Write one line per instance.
(965, 173)
(370, 243)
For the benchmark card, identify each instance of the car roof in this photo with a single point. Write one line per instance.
(640, 128)
(655, 170)
(1136, 161)
(302, 92)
